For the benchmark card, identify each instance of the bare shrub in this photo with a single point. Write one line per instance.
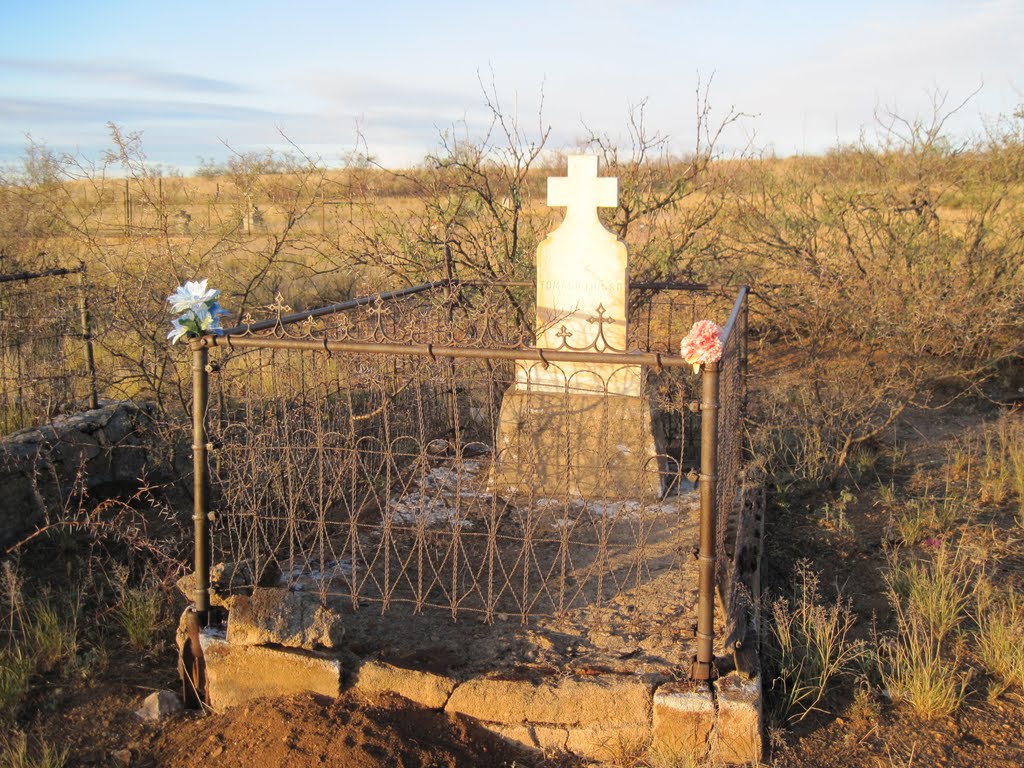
(883, 270)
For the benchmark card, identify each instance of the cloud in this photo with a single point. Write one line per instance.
(359, 93)
(63, 111)
(133, 74)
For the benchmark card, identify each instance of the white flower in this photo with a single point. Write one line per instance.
(178, 331)
(191, 296)
(200, 312)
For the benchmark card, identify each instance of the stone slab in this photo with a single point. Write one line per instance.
(591, 446)
(738, 728)
(543, 738)
(684, 718)
(616, 746)
(237, 674)
(425, 688)
(619, 699)
(280, 616)
(41, 466)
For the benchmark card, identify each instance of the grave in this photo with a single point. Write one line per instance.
(582, 429)
(534, 575)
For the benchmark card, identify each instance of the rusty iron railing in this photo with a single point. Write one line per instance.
(40, 373)
(340, 440)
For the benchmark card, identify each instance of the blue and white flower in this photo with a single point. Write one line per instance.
(200, 311)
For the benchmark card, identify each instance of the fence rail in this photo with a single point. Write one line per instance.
(358, 448)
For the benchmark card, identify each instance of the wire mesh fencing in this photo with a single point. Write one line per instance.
(398, 454)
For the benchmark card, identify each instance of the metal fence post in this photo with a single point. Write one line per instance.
(703, 664)
(201, 482)
(90, 357)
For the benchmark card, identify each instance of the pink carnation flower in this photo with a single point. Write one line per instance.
(703, 344)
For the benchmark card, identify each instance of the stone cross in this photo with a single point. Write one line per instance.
(582, 192)
(582, 285)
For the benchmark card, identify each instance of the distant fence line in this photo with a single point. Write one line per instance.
(47, 361)
(127, 209)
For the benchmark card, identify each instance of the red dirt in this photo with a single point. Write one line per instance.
(97, 725)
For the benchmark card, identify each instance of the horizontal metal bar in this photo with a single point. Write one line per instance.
(638, 286)
(654, 359)
(297, 317)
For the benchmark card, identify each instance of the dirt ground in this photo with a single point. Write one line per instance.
(99, 728)
(95, 721)
(879, 734)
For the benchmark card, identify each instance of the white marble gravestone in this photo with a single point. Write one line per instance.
(582, 287)
(582, 429)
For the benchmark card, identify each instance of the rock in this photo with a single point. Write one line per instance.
(159, 705)
(543, 738)
(739, 719)
(122, 756)
(684, 717)
(237, 674)
(609, 744)
(619, 699)
(40, 466)
(230, 578)
(425, 688)
(278, 616)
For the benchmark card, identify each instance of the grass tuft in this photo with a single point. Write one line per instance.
(809, 646)
(140, 616)
(1000, 629)
(915, 672)
(935, 590)
(15, 753)
(15, 677)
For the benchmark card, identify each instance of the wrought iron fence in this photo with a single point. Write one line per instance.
(400, 450)
(46, 355)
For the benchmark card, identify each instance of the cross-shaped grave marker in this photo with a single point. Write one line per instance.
(582, 429)
(582, 282)
(582, 192)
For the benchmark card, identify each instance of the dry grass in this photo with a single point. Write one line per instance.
(809, 647)
(1000, 622)
(914, 670)
(935, 590)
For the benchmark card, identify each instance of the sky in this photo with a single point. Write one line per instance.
(204, 79)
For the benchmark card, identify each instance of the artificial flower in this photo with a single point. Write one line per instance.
(702, 345)
(191, 296)
(200, 311)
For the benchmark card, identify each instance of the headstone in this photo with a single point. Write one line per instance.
(582, 286)
(579, 429)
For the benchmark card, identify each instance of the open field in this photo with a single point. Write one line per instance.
(887, 333)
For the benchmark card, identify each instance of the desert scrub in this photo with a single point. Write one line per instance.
(1001, 466)
(15, 752)
(139, 612)
(15, 680)
(52, 634)
(809, 646)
